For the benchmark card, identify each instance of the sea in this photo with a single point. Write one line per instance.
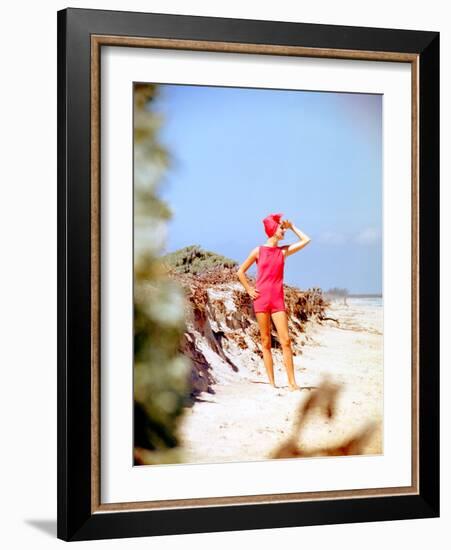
(375, 301)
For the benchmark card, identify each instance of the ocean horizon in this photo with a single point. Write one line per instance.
(360, 300)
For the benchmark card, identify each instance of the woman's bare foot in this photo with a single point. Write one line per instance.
(293, 387)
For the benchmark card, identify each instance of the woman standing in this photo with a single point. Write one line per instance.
(268, 295)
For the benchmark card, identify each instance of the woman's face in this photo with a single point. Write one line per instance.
(280, 232)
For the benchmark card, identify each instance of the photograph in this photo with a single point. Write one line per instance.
(258, 281)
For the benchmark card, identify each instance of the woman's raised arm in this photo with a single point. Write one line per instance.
(303, 239)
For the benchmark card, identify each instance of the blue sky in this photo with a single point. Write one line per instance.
(241, 153)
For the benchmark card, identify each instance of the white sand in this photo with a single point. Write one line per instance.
(246, 418)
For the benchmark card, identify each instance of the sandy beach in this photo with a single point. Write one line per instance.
(246, 418)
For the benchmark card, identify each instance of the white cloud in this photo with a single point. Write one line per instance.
(332, 237)
(366, 236)
(369, 235)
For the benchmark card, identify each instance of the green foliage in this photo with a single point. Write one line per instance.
(161, 372)
(193, 259)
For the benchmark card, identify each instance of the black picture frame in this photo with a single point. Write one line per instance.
(76, 518)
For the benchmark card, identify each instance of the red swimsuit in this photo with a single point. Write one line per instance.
(269, 281)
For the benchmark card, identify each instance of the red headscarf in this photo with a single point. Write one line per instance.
(271, 223)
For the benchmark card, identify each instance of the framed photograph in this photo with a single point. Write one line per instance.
(248, 274)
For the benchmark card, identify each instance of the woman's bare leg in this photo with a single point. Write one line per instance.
(281, 322)
(264, 323)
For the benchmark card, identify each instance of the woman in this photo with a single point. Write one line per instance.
(268, 295)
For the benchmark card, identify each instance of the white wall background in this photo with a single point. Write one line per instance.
(28, 274)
